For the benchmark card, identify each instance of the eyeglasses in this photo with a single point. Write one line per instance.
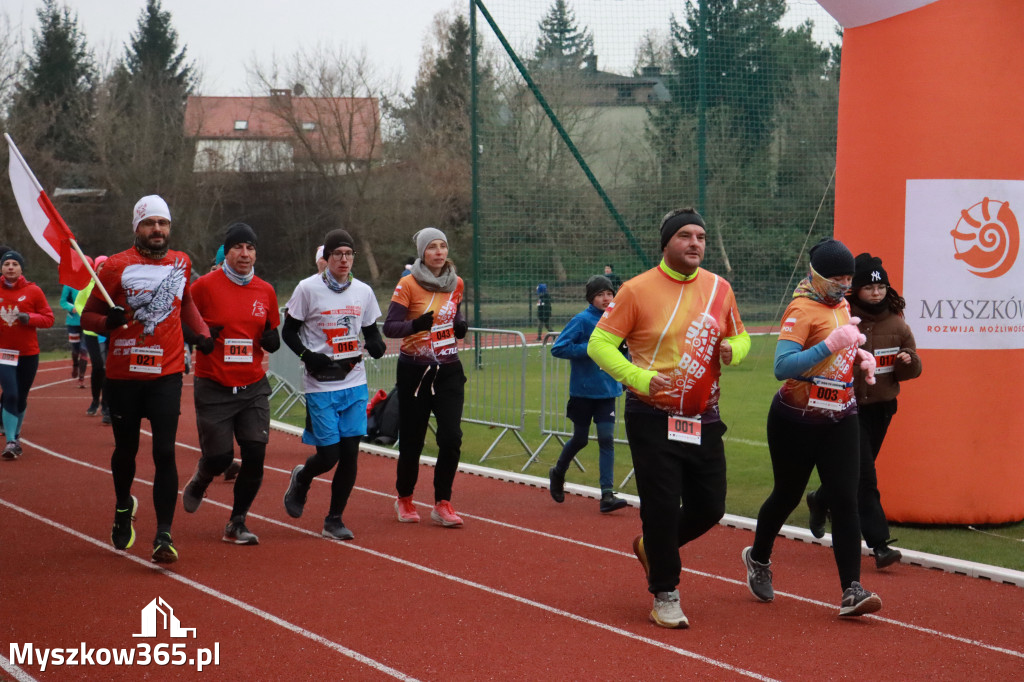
(340, 254)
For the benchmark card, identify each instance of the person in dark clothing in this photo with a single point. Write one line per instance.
(543, 309)
(889, 339)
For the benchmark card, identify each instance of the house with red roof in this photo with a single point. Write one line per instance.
(283, 132)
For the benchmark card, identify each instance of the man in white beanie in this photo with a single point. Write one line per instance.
(149, 285)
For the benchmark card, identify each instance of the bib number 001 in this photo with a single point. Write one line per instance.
(684, 429)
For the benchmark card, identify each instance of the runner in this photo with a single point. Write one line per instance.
(812, 423)
(96, 346)
(324, 317)
(424, 313)
(681, 324)
(592, 395)
(23, 310)
(149, 284)
(79, 356)
(232, 393)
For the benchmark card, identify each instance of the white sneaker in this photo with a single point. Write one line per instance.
(666, 612)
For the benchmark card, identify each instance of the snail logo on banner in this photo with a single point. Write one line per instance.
(963, 281)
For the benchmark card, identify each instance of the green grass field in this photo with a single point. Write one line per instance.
(747, 391)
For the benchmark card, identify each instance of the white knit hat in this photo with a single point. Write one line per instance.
(319, 255)
(150, 206)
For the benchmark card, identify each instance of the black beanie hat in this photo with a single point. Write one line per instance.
(13, 255)
(831, 258)
(671, 223)
(239, 233)
(869, 270)
(336, 238)
(596, 284)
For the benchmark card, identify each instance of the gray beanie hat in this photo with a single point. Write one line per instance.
(424, 237)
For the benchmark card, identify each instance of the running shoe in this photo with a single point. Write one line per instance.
(406, 510)
(106, 417)
(123, 534)
(819, 514)
(610, 503)
(445, 515)
(759, 577)
(886, 556)
(232, 471)
(94, 407)
(666, 612)
(857, 601)
(194, 491)
(12, 450)
(335, 529)
(237, 533)
(641, 554)
(295, 496)
(163, 549)
(556, 485)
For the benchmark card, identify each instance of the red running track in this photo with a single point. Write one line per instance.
(526, 590)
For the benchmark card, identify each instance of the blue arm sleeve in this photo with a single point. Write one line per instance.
(569, 345)
(791, 361)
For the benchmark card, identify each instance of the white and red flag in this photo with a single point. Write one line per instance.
(45, 225)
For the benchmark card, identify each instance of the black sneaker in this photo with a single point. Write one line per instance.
(295, 496)
(195, 490)
(163, 549)
(335, 529)
(237, 533)
(819, 515)
(610, 503)
(94, 407)
(857, 601)
(886, 556)
(232, 471)
(759, 577)
(11, 450)
(123, 534)
(556, 485)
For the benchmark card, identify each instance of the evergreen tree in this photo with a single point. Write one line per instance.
(140, 134)
(562, 43)
(54, 101)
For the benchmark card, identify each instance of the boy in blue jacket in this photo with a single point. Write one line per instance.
(592, 395)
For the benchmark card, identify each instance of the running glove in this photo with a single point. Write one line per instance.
(459, 328)
(205, 344)
(116, 317)
(270, 341)
(315, 361)
(845, 336)
(867, 364)
(23, 318)
(423, 322)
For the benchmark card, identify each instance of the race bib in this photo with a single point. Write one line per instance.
(441, 335)
(885, 360)
(684, 429)
(237, 350)
(146, 360)
(344, 347)
(9, 357)
(827, 394)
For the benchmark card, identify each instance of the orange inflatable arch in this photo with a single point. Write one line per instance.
(930, 176)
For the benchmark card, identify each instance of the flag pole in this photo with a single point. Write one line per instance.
(74, 243)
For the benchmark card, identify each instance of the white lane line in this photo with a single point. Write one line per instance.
(249, 608)
(403, 562)
(14, 671)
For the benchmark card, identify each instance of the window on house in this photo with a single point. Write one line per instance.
(241, 125)
(624, 94)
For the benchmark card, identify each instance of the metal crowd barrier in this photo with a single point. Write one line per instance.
(554, 395)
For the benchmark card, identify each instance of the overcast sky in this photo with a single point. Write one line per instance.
(223, 36)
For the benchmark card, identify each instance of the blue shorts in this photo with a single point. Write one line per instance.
(333, 415)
